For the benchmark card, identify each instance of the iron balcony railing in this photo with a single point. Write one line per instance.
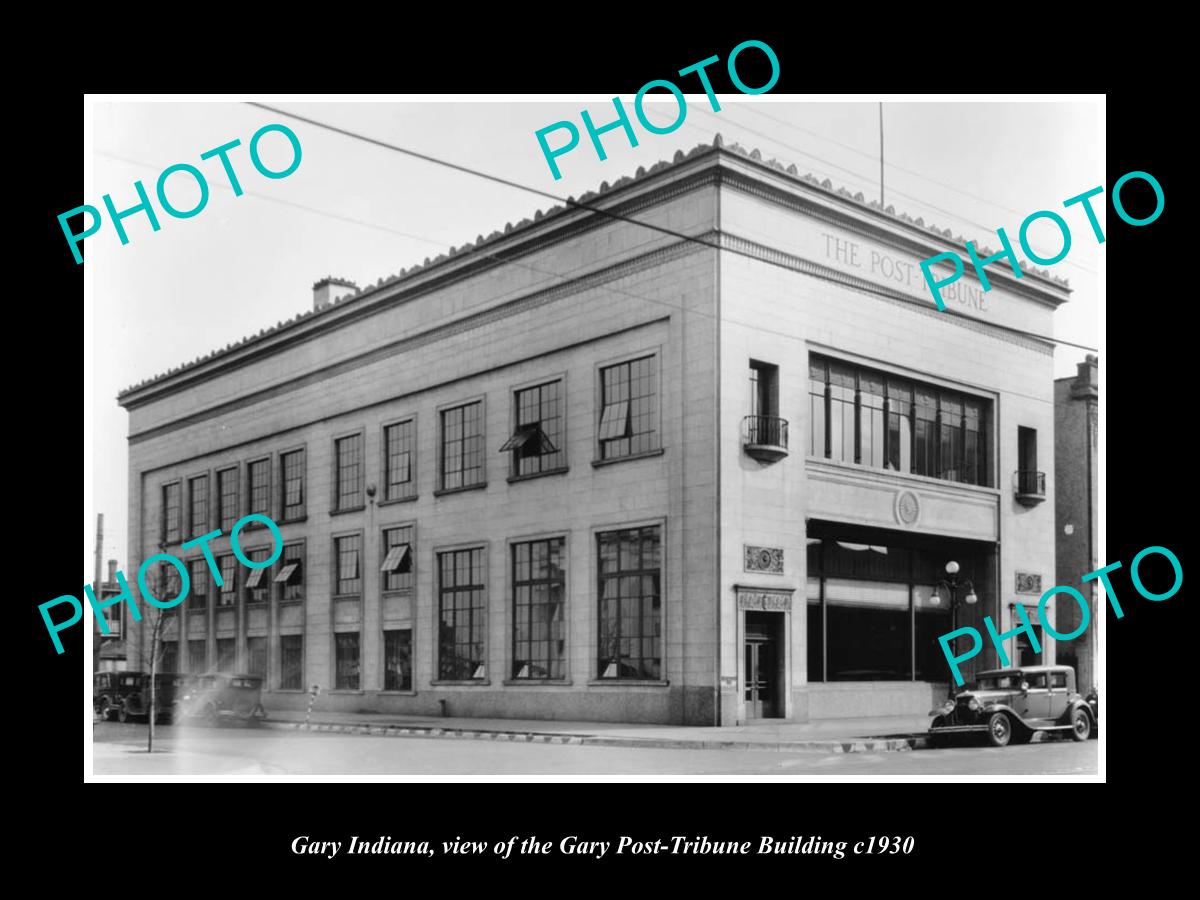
(766, 437)
(1029, 483)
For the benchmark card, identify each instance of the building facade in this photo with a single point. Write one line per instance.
(701, 458)
(1076, 463)
(108, 650)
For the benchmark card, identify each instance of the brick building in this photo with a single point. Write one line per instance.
(670, 484)
(1076, 463)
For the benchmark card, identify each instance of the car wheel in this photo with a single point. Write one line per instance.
(1000, 730)
(1081, 725)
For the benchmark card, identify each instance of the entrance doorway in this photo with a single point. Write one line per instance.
(762, 659)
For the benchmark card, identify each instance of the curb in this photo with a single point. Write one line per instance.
(852, 745)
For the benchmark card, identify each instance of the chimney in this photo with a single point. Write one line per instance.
(1087, 378)
(329, 289)
(112, 571)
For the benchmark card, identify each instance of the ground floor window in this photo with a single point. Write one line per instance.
(256, 649)
(226, 654)
(397, 660)
(346, 651)
(291, 662)
(197, 656)
(630, 607)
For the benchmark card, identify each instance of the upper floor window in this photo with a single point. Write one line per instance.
(227, 565)
(290, 577)
(198, 575)
(398, 446)
(291, 467)
(764, 389)
(258, 486)
(258, 583)
(348, 461)
(397, 565)
(227, 498)
(172, 513)
(462, 446)
(628, 408)
(198, 505)
(537, 443)
(347, 560)
(861, 416)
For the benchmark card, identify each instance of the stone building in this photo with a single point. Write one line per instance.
(699, 458)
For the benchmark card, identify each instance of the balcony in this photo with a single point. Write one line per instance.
(765, 437)
(1029, 487)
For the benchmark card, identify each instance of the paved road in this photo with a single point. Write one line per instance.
(121, 750)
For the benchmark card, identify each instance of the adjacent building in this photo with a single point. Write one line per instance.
(702, 458)
(108, 650)
(1076, 463)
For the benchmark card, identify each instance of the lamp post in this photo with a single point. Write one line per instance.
(952, 583)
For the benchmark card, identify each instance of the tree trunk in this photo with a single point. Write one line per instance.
(154, 645)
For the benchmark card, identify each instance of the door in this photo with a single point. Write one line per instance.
(760, 679)
(1034, 703)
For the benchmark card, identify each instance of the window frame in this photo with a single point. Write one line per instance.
(510, 607)
(335, 565)
(189, 502)
(595, 591)
(412, 493)
(301, 449)
(384, 630)
(268, 459)
(209, 584)
(233, 581)
(164, 530)
(441, 411)
(598, 449)
(384, 590)
(247, 591)
(236, 469)
(335, 487)
(303, 650)
(514, 473)
(281, 597)
(357, 632)
(437, 551)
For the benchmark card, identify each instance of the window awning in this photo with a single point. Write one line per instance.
(286, 573)
(399, 559)
(614, 421)
(529, 440)
(254, 577)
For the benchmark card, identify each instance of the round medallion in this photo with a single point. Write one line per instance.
(764, 559)
(908, 508)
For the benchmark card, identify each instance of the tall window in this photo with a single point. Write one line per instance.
(227, 564)
(227, 498)
(169, 586)
(198, 505)
(170, 657)
(198, 576)
(346, 650)
(539, 629)
(398, 555)
(537, 443)
(291, 662)
(258, 486)
(348, 460)
(628, 416)
(1027, 480)
(290, 577)
(461, 615)
(862, 416)
(256, 650)
(397, 660)
(291, 470)
(462, 446)
(226, 654)
(398, 460)
(197, 656)
(172, 513)
(347, 561)
(764, 389)
(630, 603)
(258, 581)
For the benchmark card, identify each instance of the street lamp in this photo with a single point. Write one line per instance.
(952, 583)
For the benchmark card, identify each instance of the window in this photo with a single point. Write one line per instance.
(348, 459)
(539, 630)
(398, 447)
(256, 650)
(172, 525)
(198, 575)
(1035, 680)
(861, 416)
(258, 582)
(169, 585)
(227, 564)
(397, 660)
(537, 443)
(398, 556)
(461, 612)
(346, 652)
(291, 662)
(198, 505)
(764, 389)
(170, 657)
(347, 569)
(290, 577)
(197, 656)
(1027, 480)
(226, 654)
(630, 603)
(258, 486)
(628, 417)
(1058, 679)
(227, 498)
(462, 446)
(291, 468)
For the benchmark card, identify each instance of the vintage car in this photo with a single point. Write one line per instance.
(167, 686)
(219, 695)
(109, 690)
(1093, 700)
(1011, 705)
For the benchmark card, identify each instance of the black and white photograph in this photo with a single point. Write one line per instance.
(700, 433)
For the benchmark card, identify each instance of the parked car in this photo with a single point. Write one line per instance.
(1011, 705)
(218, 695)
(167, 686)
(1093, 700)
(109, 690)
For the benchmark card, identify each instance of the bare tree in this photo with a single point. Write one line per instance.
(156, 620)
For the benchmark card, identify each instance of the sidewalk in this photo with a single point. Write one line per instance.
(829, 736)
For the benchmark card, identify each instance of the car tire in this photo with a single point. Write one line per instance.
(1000, 730)
(1081, 724)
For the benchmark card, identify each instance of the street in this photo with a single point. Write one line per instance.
(240, 751)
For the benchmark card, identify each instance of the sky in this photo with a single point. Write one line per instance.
(362, 212)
